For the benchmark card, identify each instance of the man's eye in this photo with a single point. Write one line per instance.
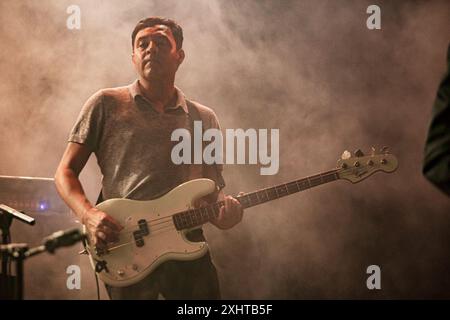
(166, 44)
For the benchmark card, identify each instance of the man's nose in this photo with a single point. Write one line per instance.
(152, 47)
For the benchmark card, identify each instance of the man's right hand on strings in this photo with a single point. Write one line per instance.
(102, 228)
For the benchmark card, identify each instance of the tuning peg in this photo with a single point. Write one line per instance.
(359, 153)
(346, 155)
(385, 150)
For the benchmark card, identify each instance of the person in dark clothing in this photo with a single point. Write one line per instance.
(436, 165)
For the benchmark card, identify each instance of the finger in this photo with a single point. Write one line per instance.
(237, 207)
(111, 234)
(228, 203)
(100, 235)
(221, 213)
(112, 223)
(234, 203)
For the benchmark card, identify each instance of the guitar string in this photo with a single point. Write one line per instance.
(161, 230)
(149, 222)
(167, 219)
(170, 227)
(153, 232)
(187, 211)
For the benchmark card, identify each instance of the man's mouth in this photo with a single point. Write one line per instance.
(150, 62)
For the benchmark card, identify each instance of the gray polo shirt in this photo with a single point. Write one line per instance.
(131, 141)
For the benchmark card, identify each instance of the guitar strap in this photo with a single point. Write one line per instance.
(202, 170)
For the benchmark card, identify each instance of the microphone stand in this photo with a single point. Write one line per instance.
(19, 252)
(7, 214)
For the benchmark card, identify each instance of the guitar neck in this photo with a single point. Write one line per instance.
(196, 217)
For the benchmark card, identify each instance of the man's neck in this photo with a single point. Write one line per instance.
(161, 94)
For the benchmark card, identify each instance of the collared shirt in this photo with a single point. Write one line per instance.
(132, 142)
(136, 93)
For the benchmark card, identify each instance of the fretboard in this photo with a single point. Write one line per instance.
(196, 217)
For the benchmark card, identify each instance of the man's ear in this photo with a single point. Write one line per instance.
(181, 56)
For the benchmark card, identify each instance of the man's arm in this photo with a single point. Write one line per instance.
(101, 227)
(66, 178)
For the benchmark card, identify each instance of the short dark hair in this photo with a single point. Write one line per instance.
(177, 31)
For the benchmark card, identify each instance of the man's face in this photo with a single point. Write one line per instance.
(155, 55)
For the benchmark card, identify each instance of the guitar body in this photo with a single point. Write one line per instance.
(129, 261)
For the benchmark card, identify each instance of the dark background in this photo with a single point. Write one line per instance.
(313, 70)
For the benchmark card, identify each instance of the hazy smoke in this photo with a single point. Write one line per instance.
(311, 69)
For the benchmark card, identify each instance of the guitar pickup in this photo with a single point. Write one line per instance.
(138, 239)
(143, 227)
(143, 231)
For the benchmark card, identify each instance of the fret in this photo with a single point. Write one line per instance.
(298, 187)
(201, 218)
(254, 198)
(281, 191)
(328, 178)
(267, 195)
(193, 219)
(308, 183)
(190, 218)
(183, 221)
(208, 213)
(315, 181)
(195, 215)
(249, 200)
(301, 184)
(261, 196)
(259, 201)
(277, 192)
(273, 193)
(176, 222)
(292, 187)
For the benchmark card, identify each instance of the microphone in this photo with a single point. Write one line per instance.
(63, 238)
(17, 214)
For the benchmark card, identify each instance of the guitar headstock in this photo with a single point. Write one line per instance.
(359, 166)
